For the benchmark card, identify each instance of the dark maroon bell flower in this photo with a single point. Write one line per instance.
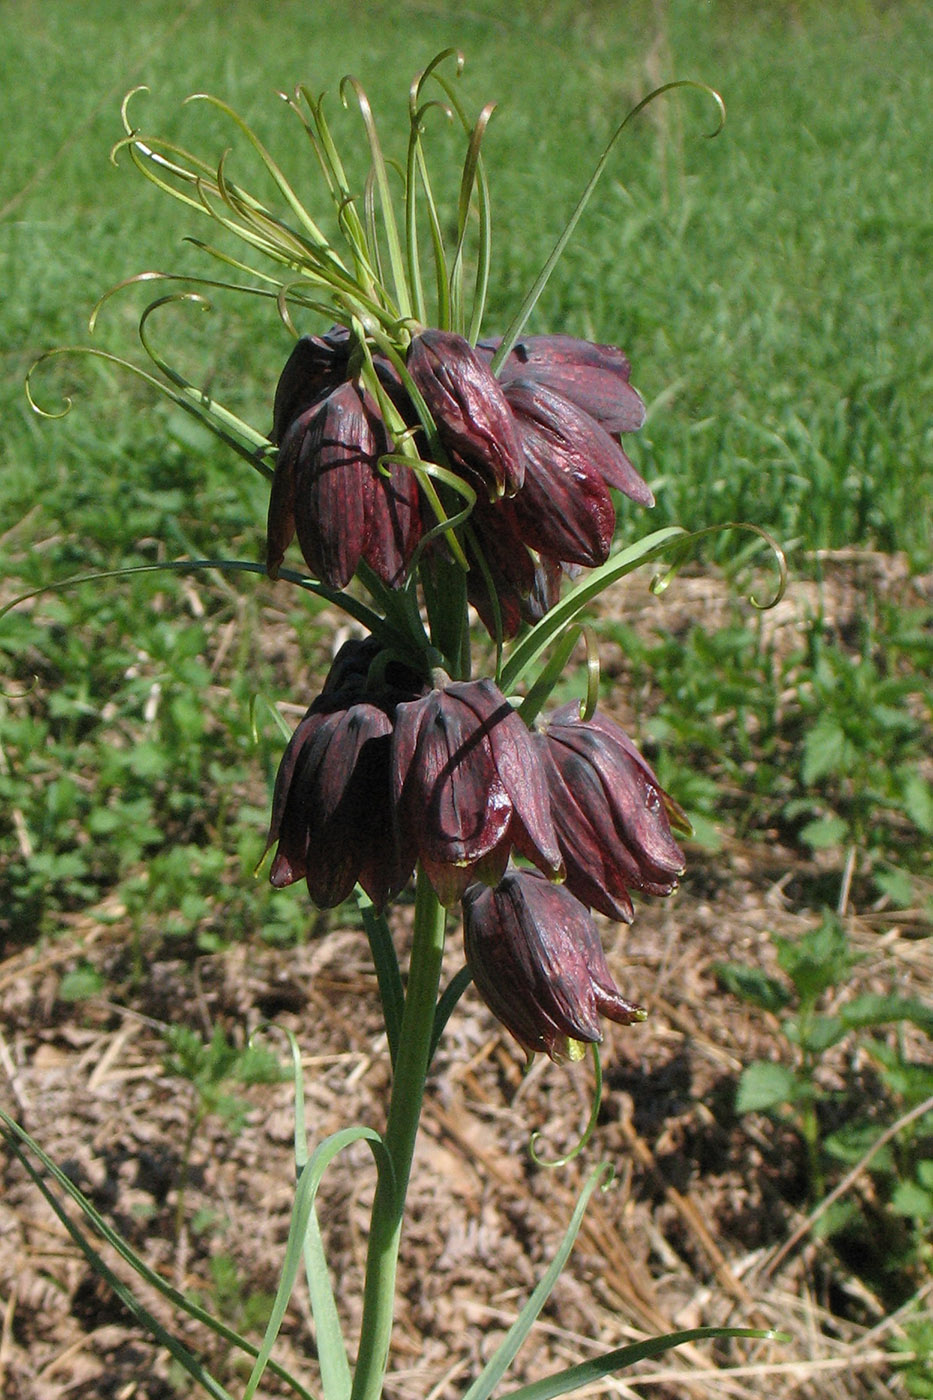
(564, 508)
(317, 364)
(331, 809)
(467, 786)
(329, 489)
(612, 816)
(474, 422)
(537, 962)
(594, 377)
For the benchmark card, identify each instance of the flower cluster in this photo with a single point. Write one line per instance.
(538, 444)
(385, 771)
(396, 765)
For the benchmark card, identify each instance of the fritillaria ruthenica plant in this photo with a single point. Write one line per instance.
(456, 493)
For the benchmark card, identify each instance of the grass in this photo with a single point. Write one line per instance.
(768, 286)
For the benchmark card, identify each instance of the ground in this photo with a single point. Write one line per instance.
(692, 1230)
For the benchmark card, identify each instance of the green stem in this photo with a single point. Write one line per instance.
(401, 1130)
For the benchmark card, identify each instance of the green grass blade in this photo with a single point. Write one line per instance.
(19, 1142)
(589, 1372)
(531, 300)
(505, 1353)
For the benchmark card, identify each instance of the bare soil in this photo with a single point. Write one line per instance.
(691, 1231)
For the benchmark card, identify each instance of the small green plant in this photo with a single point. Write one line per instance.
(917, 1373)
(866, 717)
(839, 1126)
(211, 1069)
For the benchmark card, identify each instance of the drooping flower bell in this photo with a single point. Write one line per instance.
(564, 509)
(331, 486)
(614, 821)
(570, 402)
(594, 377)
(331, 808)
(537, 962)
(467, 786)
(474, 422)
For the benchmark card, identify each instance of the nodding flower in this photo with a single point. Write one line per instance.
(468, 787)
(614, 821)
(331, 486)
(332, 805)
(537, 962)
(474, 423)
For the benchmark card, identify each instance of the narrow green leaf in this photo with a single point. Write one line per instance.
(526, 652)
(196, 403)
(285, 189)
(302, 1212)
(590, 1371)
(445, 1006)
(20, 1142)
(517, 325)
(370, 620)
(396, 257)
(385, 960)
(549, 675)
(505, 1353)
(332, 1351)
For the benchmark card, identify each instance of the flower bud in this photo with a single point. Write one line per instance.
(537, 962)
(613, 819)
(465, 400)
(467, 786)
